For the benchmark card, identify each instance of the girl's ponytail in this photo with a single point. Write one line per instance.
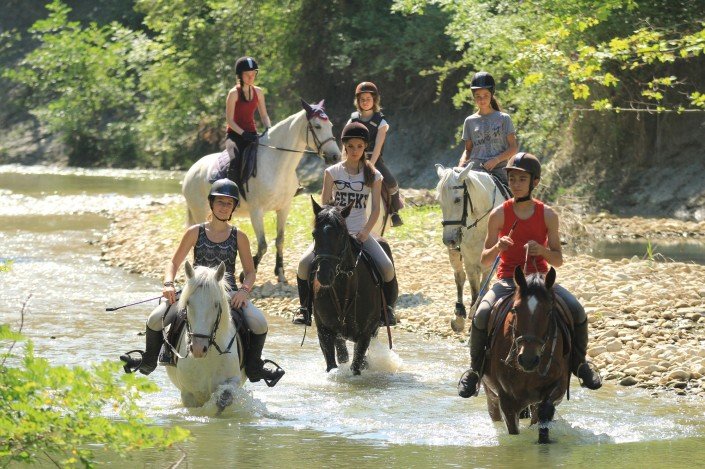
(368, 171)
(495, 104)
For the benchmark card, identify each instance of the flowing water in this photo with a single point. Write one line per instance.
(402, 412)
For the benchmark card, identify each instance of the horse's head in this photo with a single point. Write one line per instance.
(453, 196)
(331, 241)
(321, 131)
(533, 316)
(205, 299)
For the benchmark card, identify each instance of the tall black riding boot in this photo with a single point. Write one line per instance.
(148, 360)
(254, 365)
(303, 317)
(588, 377)
(395, 206)
(470, 380)
(391, 292)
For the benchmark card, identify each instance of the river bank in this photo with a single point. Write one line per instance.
(647, 318)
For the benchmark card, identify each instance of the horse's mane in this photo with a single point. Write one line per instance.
(283, 125)
(536, 286)
(205, 277)
(479, 177)
(331, 215)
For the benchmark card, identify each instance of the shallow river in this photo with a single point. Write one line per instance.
(403, 412)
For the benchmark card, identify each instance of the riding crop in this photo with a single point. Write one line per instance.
(132, 304)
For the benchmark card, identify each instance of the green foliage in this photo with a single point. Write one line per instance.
(6, 266)
(552, 57)
(56, 414)
(84, 85)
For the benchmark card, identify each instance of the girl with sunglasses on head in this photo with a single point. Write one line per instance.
(353, 181)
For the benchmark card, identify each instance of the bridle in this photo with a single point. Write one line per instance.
(309, 131)
(338, 261)
(210, 337)
(467, 202)
(517, 342)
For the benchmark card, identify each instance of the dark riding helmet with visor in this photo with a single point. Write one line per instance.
(355, 130)
(225, 188)
(245, 64)
(482, 80)
(366, 87)
(527, 163)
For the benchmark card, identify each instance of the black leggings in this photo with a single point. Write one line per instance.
(235, 144)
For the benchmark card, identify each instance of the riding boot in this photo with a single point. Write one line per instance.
(396, 205)
(303, 317)
(391, 292)
(470, 380)
(254, 365)
(588, 377)
(148, 360)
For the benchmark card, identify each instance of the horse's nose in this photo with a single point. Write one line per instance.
(528, 361)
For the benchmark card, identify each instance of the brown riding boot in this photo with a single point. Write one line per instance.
(469, 382)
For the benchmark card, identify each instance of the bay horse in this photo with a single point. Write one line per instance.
(273, 188)
(209, 350)
(528, 363)
(347, 300)
(466, 197)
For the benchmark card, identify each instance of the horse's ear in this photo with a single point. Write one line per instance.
(440, 170)
(306, 106)
(189, 270)
(550, 278)
(316, 208)
(465, 171)
(220, 272)
(519, 278)
(346, 211)
(322, 104)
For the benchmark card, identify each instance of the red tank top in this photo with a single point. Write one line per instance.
(244, 114)
(534, 228)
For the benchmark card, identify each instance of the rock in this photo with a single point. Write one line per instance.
(596, 351)
(632, 324)
(628, 381)
(614, 346)
(679, 375)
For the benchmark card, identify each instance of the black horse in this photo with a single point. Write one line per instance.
(347, 300)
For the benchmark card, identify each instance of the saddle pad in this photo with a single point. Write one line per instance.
(219, 167)
(498, 315)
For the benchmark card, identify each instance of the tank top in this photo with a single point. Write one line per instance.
(244, 114)
(210, 254)
(351, 188)
(533, 228)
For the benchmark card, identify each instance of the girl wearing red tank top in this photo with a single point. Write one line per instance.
(523, 231)
(240, 105)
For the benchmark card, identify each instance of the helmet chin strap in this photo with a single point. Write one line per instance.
(527, 196)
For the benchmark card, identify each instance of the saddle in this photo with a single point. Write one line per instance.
(173, 330)
(503, 305)
(239, 169)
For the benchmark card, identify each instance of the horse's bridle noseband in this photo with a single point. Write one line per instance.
(319, 144)
(528, 338)
(467, 201)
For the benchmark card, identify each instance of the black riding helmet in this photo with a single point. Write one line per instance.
(245, 64)
(482, 80)
(355, 130)
(226, 188)
(527, 163)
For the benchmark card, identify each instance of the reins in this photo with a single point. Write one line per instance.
(467, 201)
(309, 130)
(517, 341)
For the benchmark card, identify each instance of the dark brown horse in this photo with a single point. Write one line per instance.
(529, 356)
(347, 301)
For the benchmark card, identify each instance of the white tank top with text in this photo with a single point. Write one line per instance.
(351, 188)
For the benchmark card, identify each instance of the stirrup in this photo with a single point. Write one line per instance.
(465, 392)
(396, 220)
(132, 368)
(271, 382)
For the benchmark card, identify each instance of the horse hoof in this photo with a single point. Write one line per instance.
(225, 400)
(543, 436)
(457, 323)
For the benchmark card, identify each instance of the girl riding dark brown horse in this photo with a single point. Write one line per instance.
(347, 299)
(528, 364)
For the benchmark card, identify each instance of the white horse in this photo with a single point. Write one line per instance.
(466, 197)
(209, 349)
(273, 189)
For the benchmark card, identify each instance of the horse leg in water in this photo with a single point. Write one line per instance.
(546, 411)
(282, 215)
(327, 340)
(510, 413)
(361, 347)
(341, 350)
(456, 262)
(493, 405)
(257, 219)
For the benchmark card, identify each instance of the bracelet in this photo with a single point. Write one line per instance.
(245, 288)
(168, 284)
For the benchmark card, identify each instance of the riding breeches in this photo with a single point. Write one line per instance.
(506, 287)
(371, 247)
(388, 180)
(254, 316)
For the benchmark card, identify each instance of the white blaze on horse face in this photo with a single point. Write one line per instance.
(532, 303)
(201, 320)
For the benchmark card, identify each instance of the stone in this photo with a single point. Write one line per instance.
(628, 381)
